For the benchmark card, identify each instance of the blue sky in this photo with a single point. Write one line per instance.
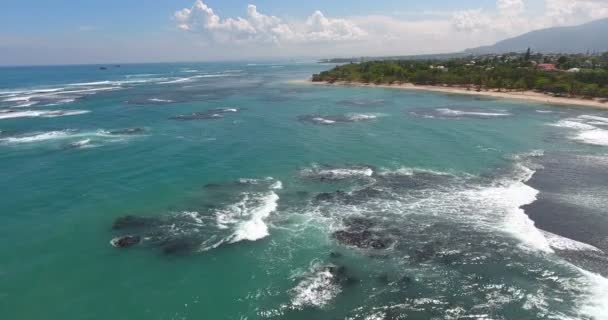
(87, 31)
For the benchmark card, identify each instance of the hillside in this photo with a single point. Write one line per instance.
(592, 36)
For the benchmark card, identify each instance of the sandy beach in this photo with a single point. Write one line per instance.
(518, 95)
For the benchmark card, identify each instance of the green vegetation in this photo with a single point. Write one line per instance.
(510, 72)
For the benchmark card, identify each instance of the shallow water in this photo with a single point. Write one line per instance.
(255, 198)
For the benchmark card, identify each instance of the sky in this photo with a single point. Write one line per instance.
(122, 31)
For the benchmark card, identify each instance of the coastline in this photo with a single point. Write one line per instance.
(520, 95)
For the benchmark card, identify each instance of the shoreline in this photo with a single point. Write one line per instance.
(519, 95)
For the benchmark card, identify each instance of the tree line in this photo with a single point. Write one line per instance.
(512, 72)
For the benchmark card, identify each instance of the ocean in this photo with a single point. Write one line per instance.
(230, 191)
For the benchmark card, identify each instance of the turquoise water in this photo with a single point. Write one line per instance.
(236, 170)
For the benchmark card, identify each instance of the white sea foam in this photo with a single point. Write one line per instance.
(336, 173)
(594, 118)
(573, 124)
(69, 134)
(316, 290)
(517, 223)
(278, 185)
(230, 110)
(558, 242)
(323, 120)
(213, 76)
(452, 112)
(51, 135)
(194, 216)
(362, 116)
(16, 99)
(160, 100)
(407, 171)
(247, 217)
(80, 144)
(595, 304)
(41, 113)
(25, 104)
(596, 137)
(179, 80)
(587, 130)
(95, 83)
(255, 228)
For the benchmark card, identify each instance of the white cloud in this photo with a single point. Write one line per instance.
(320, 28)
(318, 35)
(258, 27)
(568, 12)
(471, 20)
(510, 7)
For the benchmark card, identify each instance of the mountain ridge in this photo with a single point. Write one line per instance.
(588, 37)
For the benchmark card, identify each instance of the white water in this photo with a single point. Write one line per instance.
(362, 116)
(255, 228)
(51, 135)
(452, 112)
(586, 129)
(317, 289)
(323, 120)
(337, 173)
(41, 113)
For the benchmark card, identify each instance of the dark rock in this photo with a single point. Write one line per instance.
(197, 116)
(325, 196)
(425, 253)
(177, 246)
(383, 279)
(128, 131)
(125, 241)
(360, 233)
(406, 280)
(205, 115)
(335, 255)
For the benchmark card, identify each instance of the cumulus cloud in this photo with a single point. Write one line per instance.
(259, 27)
(510, 7)
(471, 20)
(319, 34)
(563, 12)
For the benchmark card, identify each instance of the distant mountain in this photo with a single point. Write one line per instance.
(592, 36)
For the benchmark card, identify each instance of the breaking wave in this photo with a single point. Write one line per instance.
(248, 217)
(449, 113)
(460, 113)
(336, 173)
(74, 138)
(587, 129)
(317, 288)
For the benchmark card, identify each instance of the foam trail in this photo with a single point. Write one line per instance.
(52, 135)
(160, 100)
(452, 112)
(362, 116)
(41, 113)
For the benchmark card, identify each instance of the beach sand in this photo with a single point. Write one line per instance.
(518, 95)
